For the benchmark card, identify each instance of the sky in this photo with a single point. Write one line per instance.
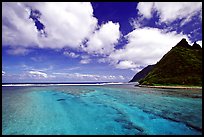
(91, 41)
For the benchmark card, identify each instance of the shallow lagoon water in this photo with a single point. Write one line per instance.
(113, 109)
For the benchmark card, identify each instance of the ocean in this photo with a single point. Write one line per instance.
(98, 109)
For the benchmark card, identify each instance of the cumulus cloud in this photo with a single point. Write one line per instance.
(145, 46)
(145, 9)
(70, 54)
(104, 40)
(200, 42)
(75, 27)
(170, 11)
(17, 28)
(66, 24)
(37, 74)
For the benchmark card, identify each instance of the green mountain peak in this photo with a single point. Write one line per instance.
(182, 65)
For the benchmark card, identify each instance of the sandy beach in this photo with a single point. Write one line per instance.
(192, 92)
(171, 87)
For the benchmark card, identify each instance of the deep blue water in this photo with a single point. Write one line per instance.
(116, 109)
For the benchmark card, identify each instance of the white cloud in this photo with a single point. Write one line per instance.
(3, 73)
(70, 54)
(170, 11)
(121, 77)
(145, 9)
(71, 68)
(85, 59)
(102, 60)
(181, 10)
(38, 58)
(136, 23)
(137, 69)
(103, 40)
(17, 28)
(29, 76)
(37, 74)
(18, 51)
(199, 42)
(25, 67)
(84, 76)
(89, 77)
(145, 46)
(67, 24)
(126, 65)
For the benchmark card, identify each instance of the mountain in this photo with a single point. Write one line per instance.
(141, 74)
(196, 46)
(182, 65)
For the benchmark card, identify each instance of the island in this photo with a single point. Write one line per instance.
(181, 67)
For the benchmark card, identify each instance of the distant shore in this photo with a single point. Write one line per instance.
(171, 87)
(61, 84)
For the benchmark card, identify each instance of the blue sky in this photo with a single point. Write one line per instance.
(98, 41)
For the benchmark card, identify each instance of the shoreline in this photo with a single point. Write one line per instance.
(195, 92)
(170, 87)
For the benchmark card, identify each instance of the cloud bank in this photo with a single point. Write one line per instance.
(66, 24)
(145, 46)
(170, 11)
(103, 41)
(73, 26)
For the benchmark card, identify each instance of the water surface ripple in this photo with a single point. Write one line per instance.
(115, 110)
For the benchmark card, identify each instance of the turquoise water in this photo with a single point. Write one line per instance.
(101, 110)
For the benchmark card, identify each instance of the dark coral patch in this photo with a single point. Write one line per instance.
(61, 99)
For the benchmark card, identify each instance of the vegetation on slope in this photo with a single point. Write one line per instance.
(182, 65)
(141, 74)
